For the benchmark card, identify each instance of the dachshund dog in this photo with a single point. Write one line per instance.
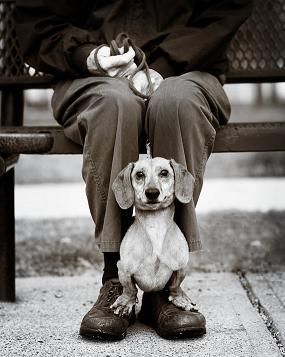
(154, 251)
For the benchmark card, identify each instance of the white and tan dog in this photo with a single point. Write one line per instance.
(154, 251)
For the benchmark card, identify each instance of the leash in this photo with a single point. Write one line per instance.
(123, 40)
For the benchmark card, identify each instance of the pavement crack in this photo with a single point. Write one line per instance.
(264, 314)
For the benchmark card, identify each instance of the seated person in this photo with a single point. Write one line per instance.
(185, 42)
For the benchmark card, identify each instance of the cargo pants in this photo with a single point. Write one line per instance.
(111, 123)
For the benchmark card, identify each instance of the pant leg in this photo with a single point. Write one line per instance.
(181, 119)
(104, 116)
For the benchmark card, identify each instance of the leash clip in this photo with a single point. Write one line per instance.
(148, 149)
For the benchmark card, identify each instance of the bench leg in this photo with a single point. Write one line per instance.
(7, 237)
(11, 113)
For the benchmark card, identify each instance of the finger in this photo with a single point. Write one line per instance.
(131, 69)
(121, 50)
(104, 52)
(116, 61)
(127, 71)
(122, 71)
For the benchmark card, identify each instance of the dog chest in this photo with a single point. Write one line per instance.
(155, 226)
(156, 236)
(152, 274)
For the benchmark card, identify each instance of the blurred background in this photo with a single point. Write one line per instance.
(241, 213)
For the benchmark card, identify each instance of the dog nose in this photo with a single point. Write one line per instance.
(152, 193)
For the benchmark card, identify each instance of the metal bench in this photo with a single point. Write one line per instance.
(257, 54)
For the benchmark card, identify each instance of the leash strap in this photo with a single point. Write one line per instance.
(123, 40)
(100, 68)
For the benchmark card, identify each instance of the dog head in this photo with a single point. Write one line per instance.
(152, 184)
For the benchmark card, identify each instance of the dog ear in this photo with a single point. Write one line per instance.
(184, 182)
(123, 189)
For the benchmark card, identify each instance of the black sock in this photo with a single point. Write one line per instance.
(110, 266)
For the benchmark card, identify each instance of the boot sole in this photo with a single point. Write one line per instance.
(182, 333)
(99, 335)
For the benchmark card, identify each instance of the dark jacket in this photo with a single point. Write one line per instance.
(178, 36)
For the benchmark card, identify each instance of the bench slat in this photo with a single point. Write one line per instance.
(36, 140)
(251, 137)
(235, 137)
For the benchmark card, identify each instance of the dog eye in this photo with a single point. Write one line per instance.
(164, 173)
(139, 175)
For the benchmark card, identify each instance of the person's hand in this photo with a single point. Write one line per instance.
(140, 81)
(115, 66)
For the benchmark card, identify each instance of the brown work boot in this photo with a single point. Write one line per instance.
(168, 320)
(101, 322)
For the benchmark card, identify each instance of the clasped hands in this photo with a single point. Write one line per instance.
(123, 66)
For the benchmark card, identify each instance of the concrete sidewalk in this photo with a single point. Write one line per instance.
(245, 314)
(48, 312)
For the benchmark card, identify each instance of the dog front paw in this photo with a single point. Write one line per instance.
(183, 301)
(123, 305)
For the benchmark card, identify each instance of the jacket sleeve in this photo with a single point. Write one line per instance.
(204, 42)
(49, 43)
